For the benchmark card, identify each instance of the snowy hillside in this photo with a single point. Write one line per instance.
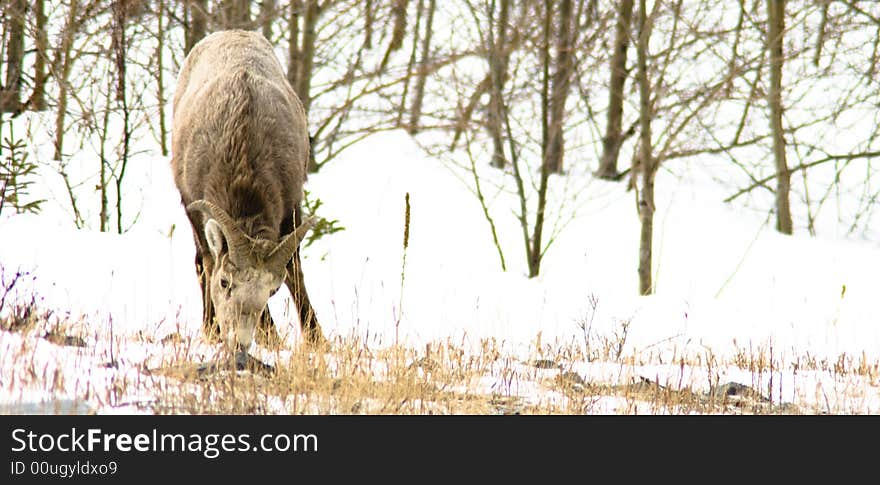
(727, 286)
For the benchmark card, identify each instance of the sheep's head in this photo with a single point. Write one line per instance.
(245, 273)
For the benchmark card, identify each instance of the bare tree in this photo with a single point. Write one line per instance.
(196, 13)
(233, 14)
(422, 76)
(647, 163)
(64, 59)
(408, 75)
(368, 24)
(10, 96)
(106, 169)
(498, 57)
(675, 109)
(267, 17)
(103, 99)
(293, 46)
(499, 85)
(398, 9)
(775, 40)
(528, 49)
(566, 38)
(120, 51)
(614, 135)
(41, 47)
(829, 146)
(160, 74)
(356, 94)
(307, 53)
(534, 242)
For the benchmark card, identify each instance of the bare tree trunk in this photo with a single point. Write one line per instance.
(41, 43)
(416, 110)
(197, 11)
(368, 24)
(120, 50)
(467, 111)
(565, 37)
(733, 66)
(497, 70)
(293, 48)
(234, 14)
(820, 38)
(775, 37)
(537, 244)
(613, 129)
(160, 75)
(401, 109)
(103, 181)
(307, 54)
(267, 17)
(243, 14)
(398, 31)
(66, 63)
(545, 78)
(10, 95)
(647, 163)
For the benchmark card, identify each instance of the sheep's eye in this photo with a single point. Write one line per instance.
(224, 283)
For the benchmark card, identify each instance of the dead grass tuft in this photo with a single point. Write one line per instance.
(73, 365)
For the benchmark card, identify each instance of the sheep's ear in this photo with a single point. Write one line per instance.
(216, 239)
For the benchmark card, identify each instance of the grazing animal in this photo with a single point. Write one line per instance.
(240, 148)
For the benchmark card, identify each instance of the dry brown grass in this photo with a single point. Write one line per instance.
(67, 362)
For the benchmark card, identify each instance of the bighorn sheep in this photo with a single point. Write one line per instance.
(240, 146)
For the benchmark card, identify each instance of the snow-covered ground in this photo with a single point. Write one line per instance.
(727, 286)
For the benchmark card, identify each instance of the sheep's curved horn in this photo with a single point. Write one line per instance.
(239, 243)
(283, 252)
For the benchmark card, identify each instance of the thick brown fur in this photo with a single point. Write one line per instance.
(240, 140)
